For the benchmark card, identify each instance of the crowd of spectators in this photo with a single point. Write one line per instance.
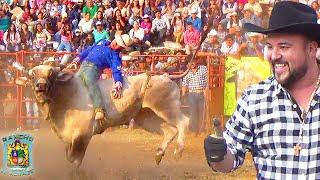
(71, 25)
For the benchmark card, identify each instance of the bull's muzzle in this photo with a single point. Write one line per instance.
(41, 85)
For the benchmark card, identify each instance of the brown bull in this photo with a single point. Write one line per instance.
(153, 101)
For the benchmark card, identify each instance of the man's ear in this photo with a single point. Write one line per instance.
(21, 81)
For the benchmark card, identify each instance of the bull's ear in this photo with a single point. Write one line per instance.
(21, 81)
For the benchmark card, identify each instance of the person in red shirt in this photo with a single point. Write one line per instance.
(191, 38)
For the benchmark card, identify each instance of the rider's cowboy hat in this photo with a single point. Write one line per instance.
(123, 40)
(288, 16)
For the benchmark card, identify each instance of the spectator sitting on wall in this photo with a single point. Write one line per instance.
(191, 38)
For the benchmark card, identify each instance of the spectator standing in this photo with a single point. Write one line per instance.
(195, 83)
(191, 38)
(11, 39)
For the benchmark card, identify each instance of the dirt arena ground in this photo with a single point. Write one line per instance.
(123, 154)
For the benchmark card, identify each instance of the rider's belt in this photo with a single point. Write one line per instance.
(197, 91)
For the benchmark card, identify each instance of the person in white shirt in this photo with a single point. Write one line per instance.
(86, 24)
(229, 46)
(137, 36)
(160, 28)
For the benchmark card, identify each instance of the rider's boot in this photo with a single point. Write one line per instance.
(99, 121)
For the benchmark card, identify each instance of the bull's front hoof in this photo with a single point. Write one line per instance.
(159, 156)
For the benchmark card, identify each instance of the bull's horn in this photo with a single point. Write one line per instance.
(172, 77)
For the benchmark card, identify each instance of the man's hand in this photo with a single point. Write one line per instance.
(117, 90)
(215, 149)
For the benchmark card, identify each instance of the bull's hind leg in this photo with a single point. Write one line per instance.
(182, 126)
(148, 120)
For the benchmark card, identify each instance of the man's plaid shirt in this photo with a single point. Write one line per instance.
(197, 80)
(267, 123)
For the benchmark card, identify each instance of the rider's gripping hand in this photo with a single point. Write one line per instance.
(117, 90)
(215, 148)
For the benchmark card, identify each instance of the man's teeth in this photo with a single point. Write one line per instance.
(280, 65)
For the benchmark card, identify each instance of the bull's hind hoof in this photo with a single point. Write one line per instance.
(159, 156)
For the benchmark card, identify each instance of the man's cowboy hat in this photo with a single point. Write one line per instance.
(123, 40)
(288, 16)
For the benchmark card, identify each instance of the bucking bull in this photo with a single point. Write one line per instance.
(153, 102)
